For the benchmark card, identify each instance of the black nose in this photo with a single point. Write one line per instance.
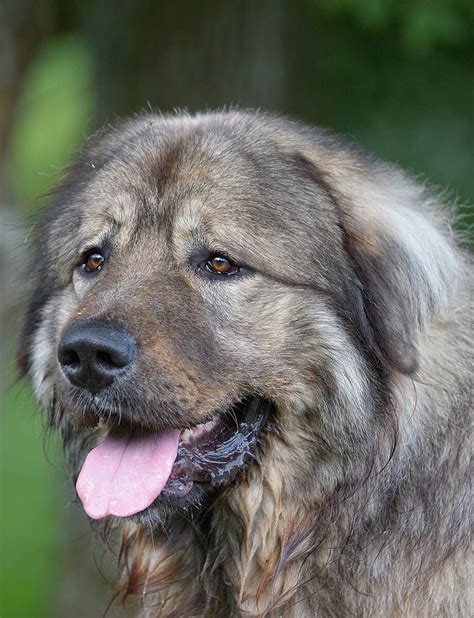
(93, 354)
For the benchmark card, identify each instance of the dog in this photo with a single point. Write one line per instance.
(254, 340)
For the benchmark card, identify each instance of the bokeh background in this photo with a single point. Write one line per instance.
(395, 75)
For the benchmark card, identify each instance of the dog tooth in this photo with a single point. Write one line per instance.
(186, 435)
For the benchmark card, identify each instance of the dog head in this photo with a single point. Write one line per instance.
(205, 284)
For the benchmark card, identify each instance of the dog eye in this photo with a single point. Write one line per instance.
(93, 261)
(220, 265)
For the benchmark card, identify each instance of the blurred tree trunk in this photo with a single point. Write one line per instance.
(189, 54)
(23, 24)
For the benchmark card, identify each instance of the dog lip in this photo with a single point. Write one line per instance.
(213, 453)
(189, 432)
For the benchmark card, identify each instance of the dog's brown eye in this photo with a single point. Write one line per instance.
(93, 262)
(221, 265)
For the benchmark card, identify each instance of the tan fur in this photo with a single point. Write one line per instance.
(353, 322)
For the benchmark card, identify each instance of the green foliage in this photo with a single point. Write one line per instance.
(29, 521)
(421, 25)
(53, 115)
(427, 25)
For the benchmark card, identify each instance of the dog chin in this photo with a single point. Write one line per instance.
(167, 507)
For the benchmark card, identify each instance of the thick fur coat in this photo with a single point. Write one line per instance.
(350, 316)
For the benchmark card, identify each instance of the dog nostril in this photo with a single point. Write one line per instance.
(70, 358)
(107, 361)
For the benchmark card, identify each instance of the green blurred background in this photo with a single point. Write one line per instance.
(395, 75)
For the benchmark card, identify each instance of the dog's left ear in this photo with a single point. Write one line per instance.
(403, 268)
(387, 291)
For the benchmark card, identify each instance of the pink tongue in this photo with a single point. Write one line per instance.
(126, 472)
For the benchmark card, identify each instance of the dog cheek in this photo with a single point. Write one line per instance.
(40, 372)
(43, 359)
(258, 337)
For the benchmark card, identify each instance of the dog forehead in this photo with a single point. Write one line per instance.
(229, 184)
(156, 167)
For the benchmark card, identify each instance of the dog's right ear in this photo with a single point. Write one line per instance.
(31, 321)
(404, 269)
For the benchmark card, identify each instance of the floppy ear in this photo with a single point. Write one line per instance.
(387, 287)
(404, 266)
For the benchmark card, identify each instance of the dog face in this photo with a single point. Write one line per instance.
(201, 284)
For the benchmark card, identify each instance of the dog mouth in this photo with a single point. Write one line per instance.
(134, 467)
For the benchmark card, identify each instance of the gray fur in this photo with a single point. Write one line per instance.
(354, 321)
